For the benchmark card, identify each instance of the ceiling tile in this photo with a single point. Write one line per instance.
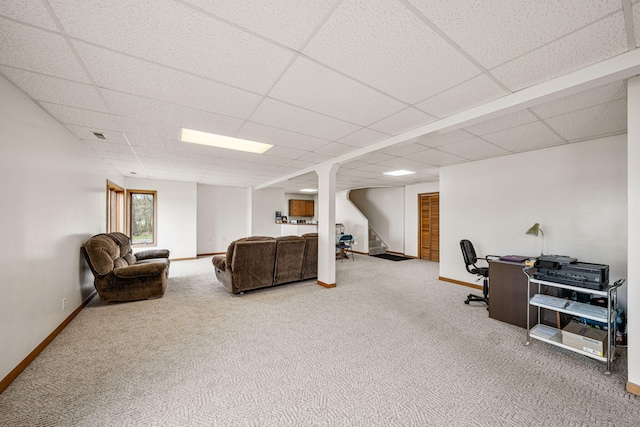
(296, 119)
(436, 140)
(153, 111)
(525, 137)
(286, 152)
(474, 92)
(358, 172)
(599, 120)
(37, 50)
(494, 32)
(402, 121)
(375, 168)
(58, 91)
(437, 157)
(316, 157)
(363, 138)
(596, 96)
(168, 33)
(404, 150)
(375, 157)
(404, 163)
(473, 149)
(354, 42)
(317, 88)
(434, 171)
(80, 117)
(98, 145)
(335, 149)
(502, 122)
(171, 146)
(85, 133)
(298, 164)
(164, 84)
(284, 21)
(30, 11)
(600, 41)
(267, 134)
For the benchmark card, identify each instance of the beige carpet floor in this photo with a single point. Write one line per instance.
(390, 346)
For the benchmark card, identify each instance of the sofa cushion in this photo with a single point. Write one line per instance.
(252, 263)
(120, 262)
(232, 246)
(310, 259)
(123, 241)
(289, 257)
(101, 251)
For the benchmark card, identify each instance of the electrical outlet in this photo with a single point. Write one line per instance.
(64, 304)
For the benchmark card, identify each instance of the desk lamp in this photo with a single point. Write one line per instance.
(533, 231)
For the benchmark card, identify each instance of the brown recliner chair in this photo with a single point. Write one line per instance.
(249, 264)
(121, 275)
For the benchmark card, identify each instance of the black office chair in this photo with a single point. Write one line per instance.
(470, 259)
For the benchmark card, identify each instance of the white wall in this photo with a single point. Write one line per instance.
(53, 199)
(633, 150)
(355, 223)
(412, 215)
(264, 204)
(384, 208)
(177, 202)
(222, 213)
(577, 192)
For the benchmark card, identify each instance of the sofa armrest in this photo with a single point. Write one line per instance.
(219, 262)
(152, 253)
(140, 270)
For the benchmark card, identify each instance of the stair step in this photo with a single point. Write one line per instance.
(377, 250)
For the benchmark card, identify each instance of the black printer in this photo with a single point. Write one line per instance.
(568, 271)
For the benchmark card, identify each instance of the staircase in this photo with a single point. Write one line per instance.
(376, 245)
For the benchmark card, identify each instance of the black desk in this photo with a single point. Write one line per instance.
(508, 294)
(508, 297)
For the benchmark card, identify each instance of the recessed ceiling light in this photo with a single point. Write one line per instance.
(399, 173)
(220, 141)
(309, 190)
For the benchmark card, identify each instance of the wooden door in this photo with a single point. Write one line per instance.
(429, 239)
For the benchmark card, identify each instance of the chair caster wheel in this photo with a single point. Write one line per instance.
(467, 302)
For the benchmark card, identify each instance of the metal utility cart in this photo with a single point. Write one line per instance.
(553, 335)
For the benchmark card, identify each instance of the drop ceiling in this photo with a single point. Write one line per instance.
(317, 79)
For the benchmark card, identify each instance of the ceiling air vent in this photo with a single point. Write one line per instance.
(99, 135)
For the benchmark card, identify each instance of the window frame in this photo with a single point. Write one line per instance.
(116, 196)
(154, 240)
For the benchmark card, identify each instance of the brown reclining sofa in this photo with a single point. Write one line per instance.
(260, 261)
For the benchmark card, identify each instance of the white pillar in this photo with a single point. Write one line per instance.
(327, 224)
(249, 218)
(633, 254)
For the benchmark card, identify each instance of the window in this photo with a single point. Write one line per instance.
(115, 208)
(141, 217)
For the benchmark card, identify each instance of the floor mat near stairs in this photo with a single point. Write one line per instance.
(391, 257)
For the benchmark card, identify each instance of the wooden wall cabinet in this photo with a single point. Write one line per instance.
(301, 207)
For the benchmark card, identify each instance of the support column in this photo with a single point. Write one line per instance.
(327, 224)
(633, 233)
